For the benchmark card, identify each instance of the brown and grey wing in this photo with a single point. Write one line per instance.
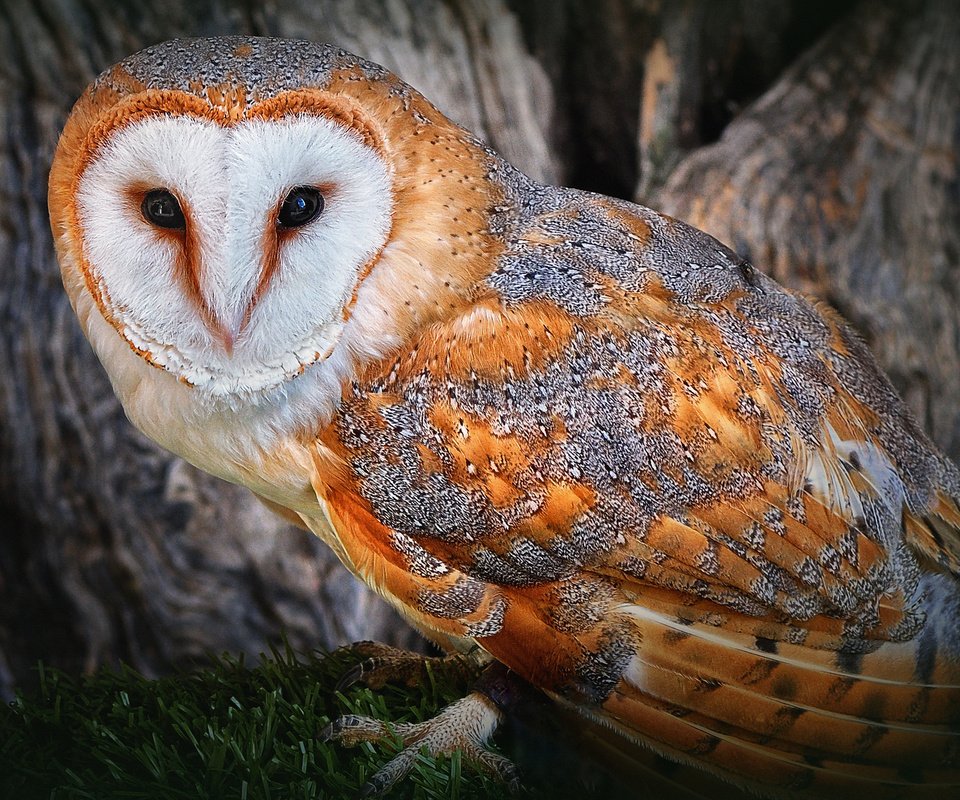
(682, 499)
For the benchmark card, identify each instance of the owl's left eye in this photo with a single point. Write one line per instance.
(302, 205)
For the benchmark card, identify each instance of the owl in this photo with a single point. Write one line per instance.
(577, 439)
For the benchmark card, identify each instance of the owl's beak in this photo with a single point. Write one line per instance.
(227, 338)
(224, 305)
(227, 309)
(229, 330)
(226, 326)
(230, 288)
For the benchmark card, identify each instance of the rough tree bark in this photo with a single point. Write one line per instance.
(841, 178)
(640, 83)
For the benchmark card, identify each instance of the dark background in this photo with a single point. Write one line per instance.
(817, 138)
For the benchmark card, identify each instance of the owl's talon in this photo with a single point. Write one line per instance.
(381, 664)
(384, 664)
(465, 725)
(376, 671)
(352, 729)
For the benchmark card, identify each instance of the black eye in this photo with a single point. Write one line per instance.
(302, 205)
(161, 208)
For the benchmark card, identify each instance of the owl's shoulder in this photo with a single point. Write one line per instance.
(576, 249)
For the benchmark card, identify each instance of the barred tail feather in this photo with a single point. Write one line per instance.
(787, 719)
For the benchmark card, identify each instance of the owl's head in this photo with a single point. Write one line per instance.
(234, 210)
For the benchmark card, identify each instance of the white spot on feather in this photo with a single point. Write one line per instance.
(829, 481)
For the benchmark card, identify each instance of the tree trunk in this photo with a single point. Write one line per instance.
(841, 179)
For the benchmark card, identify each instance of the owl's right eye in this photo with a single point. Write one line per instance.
(161, 208)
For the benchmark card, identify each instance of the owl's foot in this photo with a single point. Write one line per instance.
(465, 725)
(382, 664)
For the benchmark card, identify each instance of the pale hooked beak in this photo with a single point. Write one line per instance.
(227, 328)
(229, 299)
(227, 338)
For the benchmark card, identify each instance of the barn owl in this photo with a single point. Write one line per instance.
(561, 431)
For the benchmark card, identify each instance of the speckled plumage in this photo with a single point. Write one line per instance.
(593, 441)
(262, 67)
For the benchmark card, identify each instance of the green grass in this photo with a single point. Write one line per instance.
(228, 731)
